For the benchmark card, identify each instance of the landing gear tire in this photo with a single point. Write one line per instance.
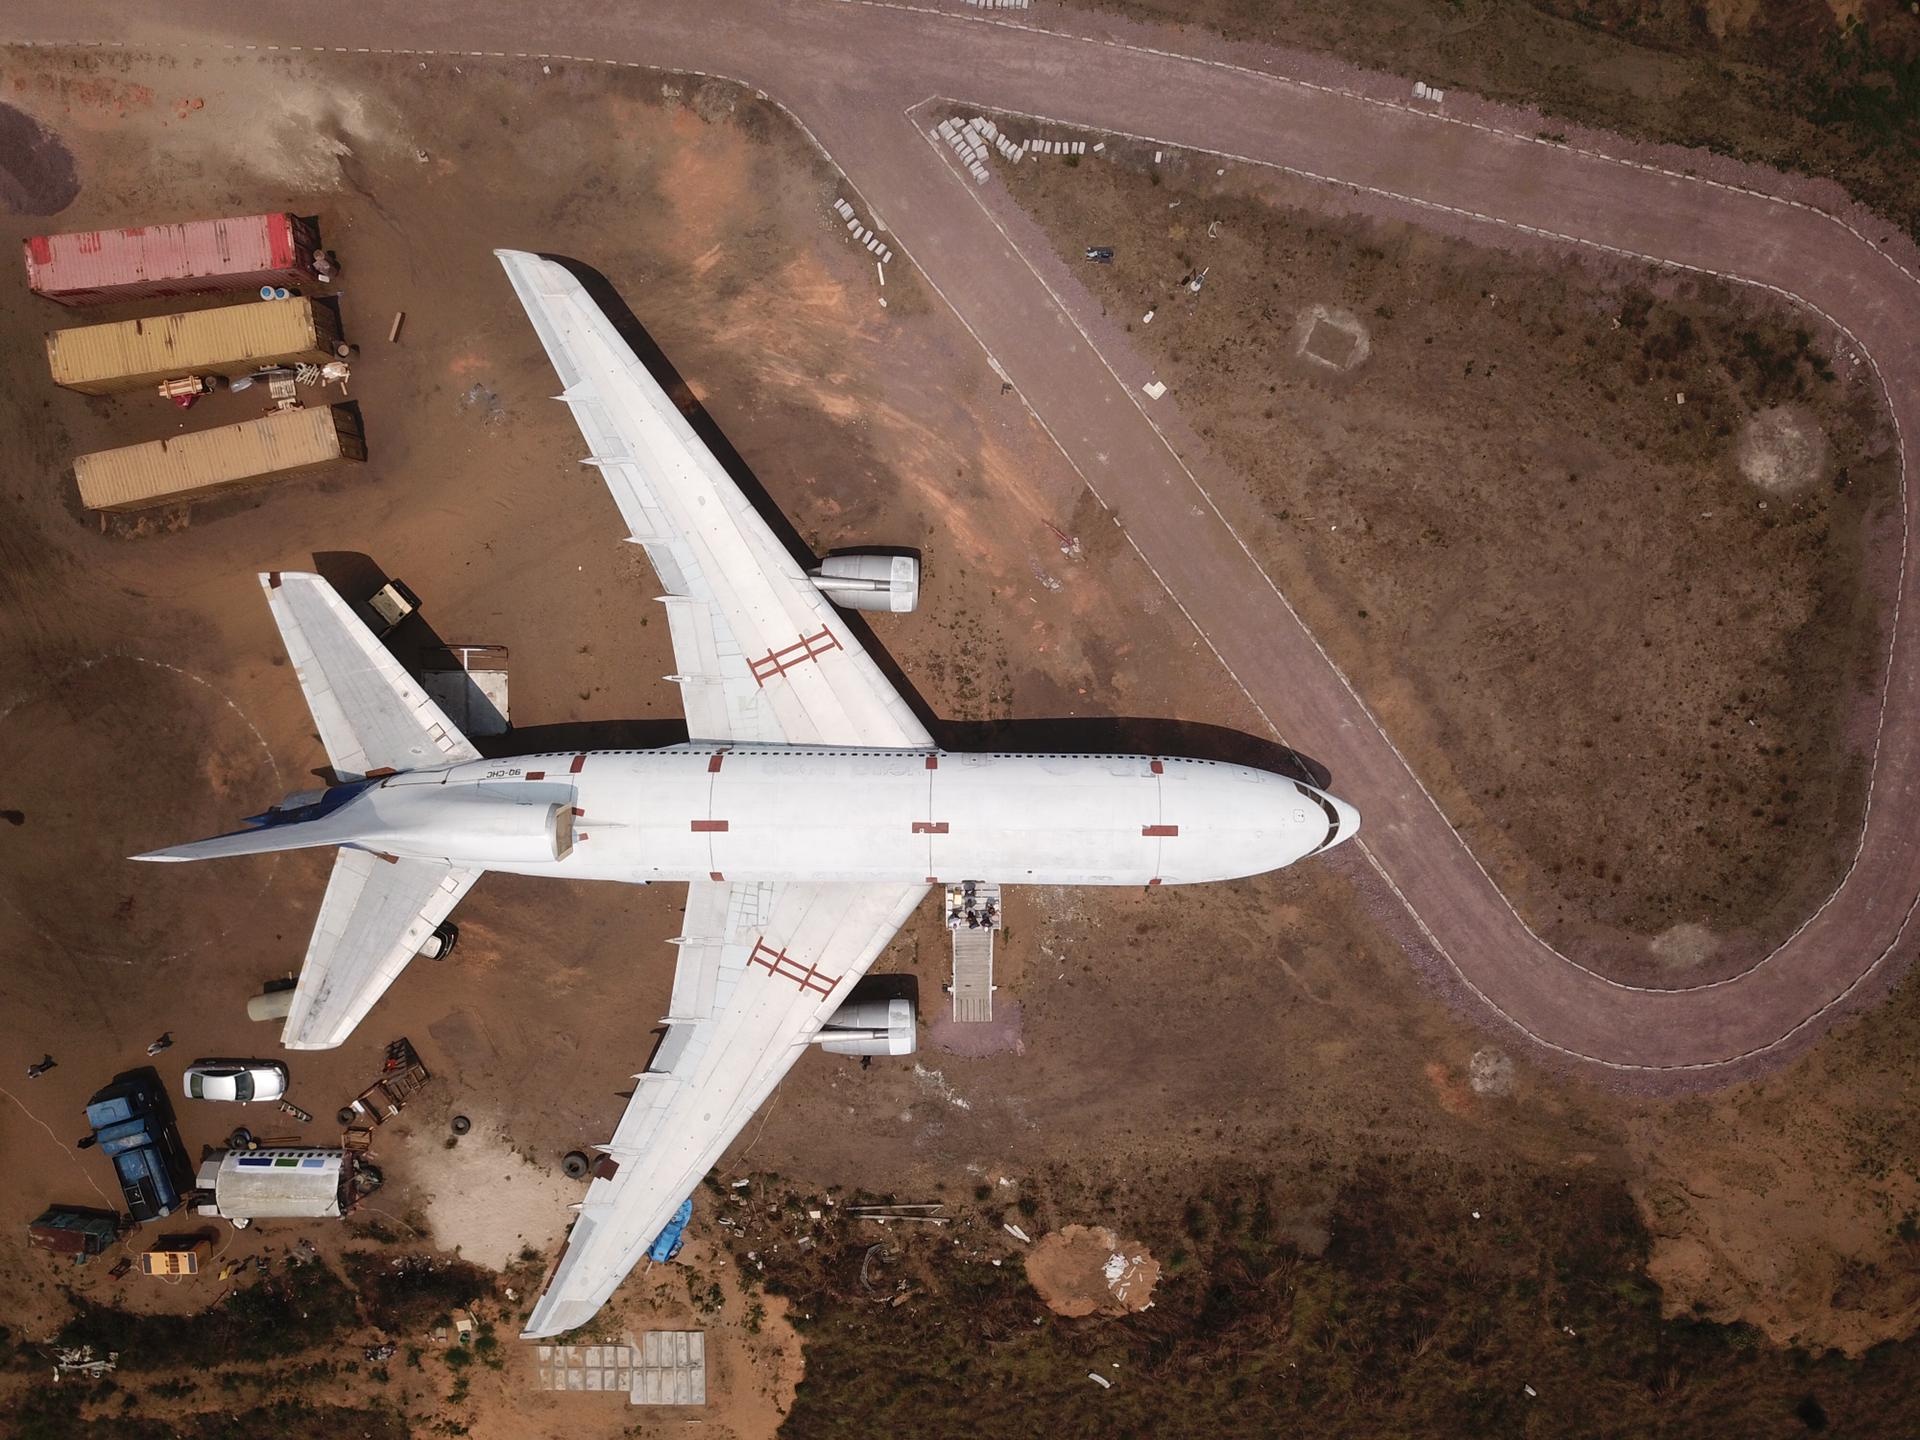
(576, 1164)
(461, 1124)
(240, 1139)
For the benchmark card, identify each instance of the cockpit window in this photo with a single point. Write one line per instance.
(1326, 808)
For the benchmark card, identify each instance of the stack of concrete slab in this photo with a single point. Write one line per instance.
(966, 143)
(672, 1368)
(862, 236)
(587, 1367)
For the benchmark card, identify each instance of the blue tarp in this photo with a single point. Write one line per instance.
(668, 1244)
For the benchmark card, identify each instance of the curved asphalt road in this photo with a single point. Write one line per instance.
(851, 72)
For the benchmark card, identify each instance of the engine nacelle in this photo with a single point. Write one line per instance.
(870, 582)
(871, 1027)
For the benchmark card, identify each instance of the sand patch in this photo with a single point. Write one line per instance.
(1088, 1270)
(1490, 1072)
(1782, 450)
(486, 1200)
(1684, 947)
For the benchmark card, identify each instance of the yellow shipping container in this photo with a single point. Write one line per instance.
(189, 466)
(129, 354)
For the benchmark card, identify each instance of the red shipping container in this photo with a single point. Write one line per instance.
(201, 257)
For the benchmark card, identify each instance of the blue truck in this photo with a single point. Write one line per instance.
(133, 1126)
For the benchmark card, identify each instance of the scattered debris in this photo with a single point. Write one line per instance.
(393, 330)
(1102, 1381)
(1154, 389)
(1016, 1232)
(81, 1360)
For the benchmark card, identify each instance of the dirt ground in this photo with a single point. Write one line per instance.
(145, 700)
(1599, 548)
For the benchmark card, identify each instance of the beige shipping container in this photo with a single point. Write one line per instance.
(232, 340)
(186, 467)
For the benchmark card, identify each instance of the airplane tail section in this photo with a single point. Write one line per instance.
(371, 714)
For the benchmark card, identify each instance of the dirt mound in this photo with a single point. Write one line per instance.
(1782, 450)
(1088, 1270)
(36, 171)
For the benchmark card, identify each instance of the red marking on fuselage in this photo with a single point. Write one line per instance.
(929, 827)
(1159, 829)
(708, 827)
(579, 764)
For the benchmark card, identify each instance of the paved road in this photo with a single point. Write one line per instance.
(852, 72)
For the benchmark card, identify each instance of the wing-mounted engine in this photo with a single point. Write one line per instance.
(871, 1024)
(869, 582)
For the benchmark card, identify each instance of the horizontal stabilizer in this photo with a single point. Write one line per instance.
(371, 714)
(267, 840)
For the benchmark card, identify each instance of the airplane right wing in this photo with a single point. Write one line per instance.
(762, 654)
(376, 915)
(762, 967)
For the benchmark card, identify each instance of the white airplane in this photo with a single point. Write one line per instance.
(808, 815)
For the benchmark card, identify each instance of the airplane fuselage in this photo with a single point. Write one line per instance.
(819, 814)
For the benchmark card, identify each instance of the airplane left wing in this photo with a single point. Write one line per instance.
(761, 968)
(762, 655)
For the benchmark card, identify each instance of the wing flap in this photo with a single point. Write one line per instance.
(374, 918)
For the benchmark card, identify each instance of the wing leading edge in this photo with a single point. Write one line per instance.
(761, 968)
(762, 655)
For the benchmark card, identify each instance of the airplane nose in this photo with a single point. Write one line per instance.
(1341, 819)
(1349, 825)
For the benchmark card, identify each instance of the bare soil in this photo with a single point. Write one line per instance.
(1269, 1022)
(1514, 496)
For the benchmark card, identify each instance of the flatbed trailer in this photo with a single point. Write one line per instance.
(403, 1077)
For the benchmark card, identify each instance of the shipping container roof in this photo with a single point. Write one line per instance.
(104, 259)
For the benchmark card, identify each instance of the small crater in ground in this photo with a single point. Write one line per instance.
(1782, 449)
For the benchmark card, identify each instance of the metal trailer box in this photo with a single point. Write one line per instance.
(199, 257)
(187, 467)
(279, 1183)
(74, 1230)
(231, 340)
